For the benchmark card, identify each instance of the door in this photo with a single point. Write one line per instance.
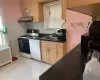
(35, 49)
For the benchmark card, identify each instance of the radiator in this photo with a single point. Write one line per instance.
(5, 55)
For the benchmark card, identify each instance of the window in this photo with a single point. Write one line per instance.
(1, 25)
(2, 36)
(52, 15)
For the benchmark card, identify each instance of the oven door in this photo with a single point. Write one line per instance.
(24, 45)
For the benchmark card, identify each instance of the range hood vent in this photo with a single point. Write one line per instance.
(26, 19)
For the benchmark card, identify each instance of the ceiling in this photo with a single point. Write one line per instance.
(91, 9)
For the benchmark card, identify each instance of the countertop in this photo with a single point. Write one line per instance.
(44, 37)
(70, 67)
(53, 40)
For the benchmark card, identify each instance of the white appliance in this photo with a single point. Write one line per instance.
(5, 55)
(35, 49)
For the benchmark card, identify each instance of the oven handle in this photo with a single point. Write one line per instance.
(21, 45)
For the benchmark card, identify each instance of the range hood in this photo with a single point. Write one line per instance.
(26, 19)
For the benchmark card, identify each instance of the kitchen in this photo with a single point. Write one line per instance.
(49, 28)
(41, 42)
(38, 23)
(44, 41)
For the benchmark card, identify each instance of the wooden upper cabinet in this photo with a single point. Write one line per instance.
(34, 9)
(64, 7)
(76, 3)
(25, 4)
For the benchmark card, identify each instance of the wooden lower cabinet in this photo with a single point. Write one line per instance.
(45, 55)
(48, 55)
(52, 55)
(52, 51)
(59, 55)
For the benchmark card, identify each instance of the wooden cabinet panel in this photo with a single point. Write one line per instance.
(59, 46)
(71, 3)
(45, 56)
(34, 8)
(48, 43)
(25, 4)
(59, 55)
(52, 54)
(64, 8)
(48, 55)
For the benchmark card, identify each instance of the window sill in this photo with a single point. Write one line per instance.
(4, 47)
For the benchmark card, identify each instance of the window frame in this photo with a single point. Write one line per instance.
(45, 7)
(4, 36)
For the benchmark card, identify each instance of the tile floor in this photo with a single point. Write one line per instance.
(23, 69)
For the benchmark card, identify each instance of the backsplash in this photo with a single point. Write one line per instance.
(40, 26)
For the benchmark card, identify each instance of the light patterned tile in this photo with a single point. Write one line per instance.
(23, 69)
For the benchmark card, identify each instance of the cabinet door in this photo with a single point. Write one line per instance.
(25, 4)
(64, 8)
(35, 11)
(48, 55)
(59, 55)
(45, 56)
(52, 55)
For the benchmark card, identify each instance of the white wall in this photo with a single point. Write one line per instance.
(15, 30)
(74, 30)
(12, 12)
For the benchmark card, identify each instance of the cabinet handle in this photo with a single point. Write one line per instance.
(21, 46)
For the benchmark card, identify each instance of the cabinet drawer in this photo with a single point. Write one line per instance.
(59, 46)
(48, 44)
